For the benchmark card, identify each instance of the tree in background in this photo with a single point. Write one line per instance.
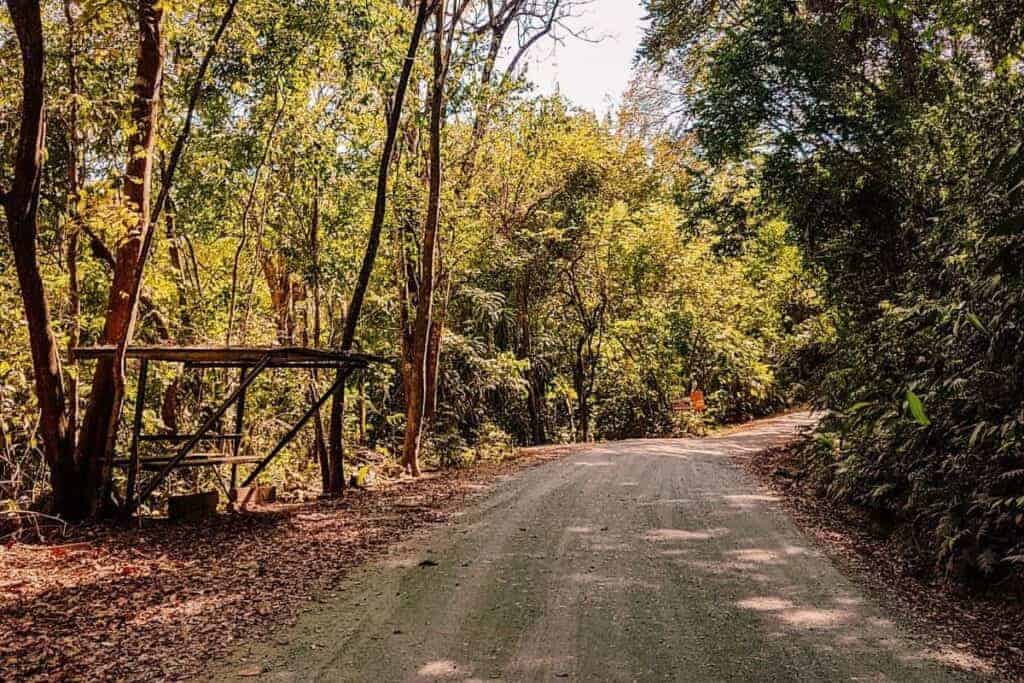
(888, 136)
(557, 276)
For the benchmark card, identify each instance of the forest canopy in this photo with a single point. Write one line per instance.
(796, 201)
(376, 176)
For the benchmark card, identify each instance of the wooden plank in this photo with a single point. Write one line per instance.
(279, 356)
(180, 438)
(199, 462)
(133, 466)
(190, 461)
(239, 424)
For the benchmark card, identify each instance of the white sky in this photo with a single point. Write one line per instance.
(593, 75)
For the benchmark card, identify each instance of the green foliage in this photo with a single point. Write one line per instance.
(594, 273)
(887, 135)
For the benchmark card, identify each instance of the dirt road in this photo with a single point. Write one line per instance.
(633, 561)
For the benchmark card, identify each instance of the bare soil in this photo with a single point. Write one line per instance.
(639, 560)
(161, 602)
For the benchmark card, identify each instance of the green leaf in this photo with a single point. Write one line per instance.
(975, 435)
(917, 409)
(976, 321)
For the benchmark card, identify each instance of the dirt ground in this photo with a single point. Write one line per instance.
(163, 601)
(894, 570)
(640, 560)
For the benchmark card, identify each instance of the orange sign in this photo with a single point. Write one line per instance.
(697, 401)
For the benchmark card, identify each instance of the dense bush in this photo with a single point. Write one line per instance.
(888, 135)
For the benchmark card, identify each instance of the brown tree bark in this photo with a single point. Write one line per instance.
(21, 204)
(414, 363)
(99, 426)
(319, 447)
(335, 436)
(73, 227)
(283, 294)
(579, 377)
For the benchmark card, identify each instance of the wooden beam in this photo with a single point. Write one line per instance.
(178, 438)
(276, 356)
(133, 454)
(239, 424)
(287, 438)
(196, 438)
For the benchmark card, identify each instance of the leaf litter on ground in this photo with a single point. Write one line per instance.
(161, 601)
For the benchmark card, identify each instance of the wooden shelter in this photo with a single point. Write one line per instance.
(251, 362)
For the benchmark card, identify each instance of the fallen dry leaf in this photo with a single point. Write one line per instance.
(167, 599)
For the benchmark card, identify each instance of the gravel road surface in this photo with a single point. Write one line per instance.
(633, 561)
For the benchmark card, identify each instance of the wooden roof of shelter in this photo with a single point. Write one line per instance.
(236, 356)
(252, 360)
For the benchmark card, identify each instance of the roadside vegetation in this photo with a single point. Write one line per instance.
(888, 136)
(375, 176)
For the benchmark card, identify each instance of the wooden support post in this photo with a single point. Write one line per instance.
(362, 407)
(239, 424)
(339, 382)
(133, 464)
(198, 436)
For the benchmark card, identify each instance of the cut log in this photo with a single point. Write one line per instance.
(252, 495)
(193, 506)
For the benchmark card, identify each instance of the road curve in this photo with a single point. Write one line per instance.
(633, 561)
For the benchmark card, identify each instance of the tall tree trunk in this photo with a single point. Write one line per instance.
(336, 445)
(319, 442)
(21, 205)
(380, 204)
(244, 225)
(73, 228)
(99, 427)
(335, 439)
(582, 392)
(416, 359)
(362, 408)
(524, 351)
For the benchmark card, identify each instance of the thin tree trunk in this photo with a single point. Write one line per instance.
(240, 247)
(193, 101)
(336, 445)
(582, 394)
(417, 357)
(362, 408)
(21, 204)
(99, 427)
(319, 442)
(524, 351)
(336, 440)
(380, 204)
(74, 219)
